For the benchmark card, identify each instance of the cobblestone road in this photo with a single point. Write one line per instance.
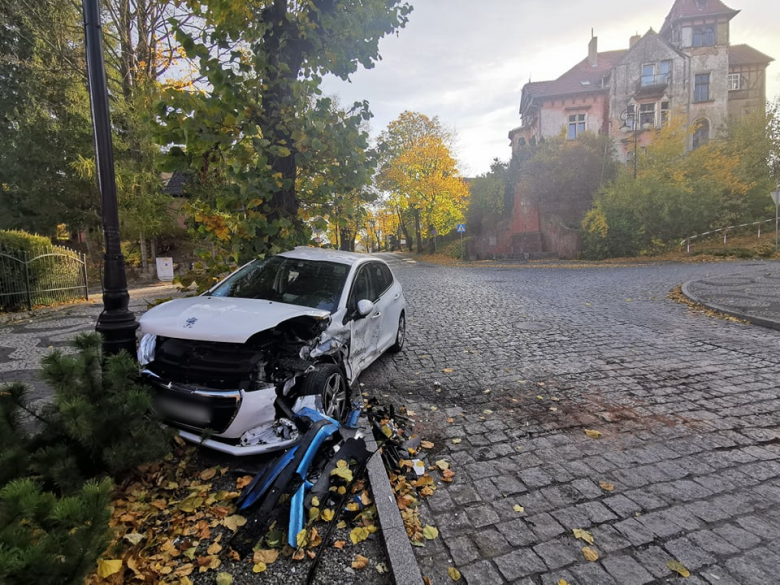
(523, 361)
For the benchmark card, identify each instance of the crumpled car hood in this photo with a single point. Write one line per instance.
(221, 319)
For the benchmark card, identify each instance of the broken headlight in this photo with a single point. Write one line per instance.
(146, 349)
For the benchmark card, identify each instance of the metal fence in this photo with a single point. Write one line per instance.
(725, 231)
(43, 276)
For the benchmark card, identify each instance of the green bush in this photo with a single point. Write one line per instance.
(57, 462)
(19, 240)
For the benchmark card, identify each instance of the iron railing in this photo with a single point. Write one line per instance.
(725, 231)
(43, 276)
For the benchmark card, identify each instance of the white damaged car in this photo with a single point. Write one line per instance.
(231, 367)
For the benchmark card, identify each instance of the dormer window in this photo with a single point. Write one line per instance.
(701, 4)
(703, 36)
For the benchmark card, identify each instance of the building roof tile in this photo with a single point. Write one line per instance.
(747, 55)
(693, 8)
(581, 77)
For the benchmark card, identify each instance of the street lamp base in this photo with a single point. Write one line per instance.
(116, 323)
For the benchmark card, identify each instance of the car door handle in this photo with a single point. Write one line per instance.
(396, 297)
(376, 315)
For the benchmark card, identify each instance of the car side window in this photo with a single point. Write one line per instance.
(362, 289)
(379, 276)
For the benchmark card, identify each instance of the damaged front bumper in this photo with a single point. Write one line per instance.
(237, 422)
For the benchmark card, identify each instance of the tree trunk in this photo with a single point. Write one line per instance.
(418, 235)
(144, 258)
(153, 249)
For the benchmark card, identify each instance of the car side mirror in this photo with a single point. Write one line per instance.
(364, 307)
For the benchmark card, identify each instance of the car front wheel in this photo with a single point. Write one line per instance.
(327, 381)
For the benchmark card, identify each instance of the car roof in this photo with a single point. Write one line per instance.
(328, 255)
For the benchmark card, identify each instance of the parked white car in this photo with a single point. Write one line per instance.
(300, 326)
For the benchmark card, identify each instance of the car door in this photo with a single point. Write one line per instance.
(384, 305)
(363, 330)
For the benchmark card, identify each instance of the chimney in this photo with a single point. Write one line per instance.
(633, 40)
(593, 53)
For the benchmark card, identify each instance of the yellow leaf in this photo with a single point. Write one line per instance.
(442, 464)
(300, 538)
(208, 474)
(590, 554)
(341, 525)
(234, 521)
(454, 573)
(106, 568)
(426, 444)
(430, 532)
(447, 370)
(539, 397)
(224, 579)
(358, 534)
(343, 471)
(266, 556)
(593, 434)
(678, 567)
(133, 537)
(185, 581)
(583, 535)
(605, 485)
(214, 548)
(314, 514)
(563, 582)
(259, 568)
(518, 508)
(360, 562)
(456, 441)
(327, 515)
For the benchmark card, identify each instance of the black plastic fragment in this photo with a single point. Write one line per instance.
(350, 449)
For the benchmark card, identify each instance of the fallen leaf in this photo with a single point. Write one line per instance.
(133, 537)
(233, 522)
(518, 508)
(593, 434)
(242, 482)
(453, 573)
(315, 501)
(678, 568)
(487, 411)
(185, 581)
(224, 578)
(555, 399)
(259, 568)
(447, 370)
(583, 535)
(553, 409)
(339, 544)
(456, 441)
(430, 532)
(426, 581)
(208, 474)
(605, 485)
(327, 515)
(300, 538)
(442, 464)
(426, 444)
(342, 469)
(381, 568)
(214, 548)
(360, 562)
(590, 554)
(358, 534)
(108, 567)
(267, 556)
(563, 582)
(539, 397)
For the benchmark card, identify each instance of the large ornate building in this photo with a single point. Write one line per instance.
(689, 68)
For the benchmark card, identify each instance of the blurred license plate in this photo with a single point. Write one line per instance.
(183, 411)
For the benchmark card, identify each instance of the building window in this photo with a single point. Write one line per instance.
(703, 36)
(701, 88)
(702, 133)
(735, 81)
(665, 70)
(664, 113)
(576, 125)
(647, 114)
(655, 73)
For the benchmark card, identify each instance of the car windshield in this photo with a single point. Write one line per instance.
(288, 280)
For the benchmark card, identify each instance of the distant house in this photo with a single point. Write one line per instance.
(688, 68)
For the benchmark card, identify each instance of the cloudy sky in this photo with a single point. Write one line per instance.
(466, 61)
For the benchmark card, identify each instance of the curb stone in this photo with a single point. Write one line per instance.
(769, 323)
(400, 557)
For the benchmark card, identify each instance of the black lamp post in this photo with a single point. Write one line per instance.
(629, 116)
(116, 323)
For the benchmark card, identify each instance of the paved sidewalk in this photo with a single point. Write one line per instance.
(753, 296)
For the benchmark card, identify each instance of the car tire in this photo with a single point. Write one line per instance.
(328, 381)
(400, 334)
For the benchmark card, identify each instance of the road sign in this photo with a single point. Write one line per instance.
(775, 197)
(461, 228)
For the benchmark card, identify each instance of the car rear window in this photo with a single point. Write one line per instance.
(288, 280)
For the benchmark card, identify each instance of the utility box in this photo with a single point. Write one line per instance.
(165, 269)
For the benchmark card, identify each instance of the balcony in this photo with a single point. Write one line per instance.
(653, 81)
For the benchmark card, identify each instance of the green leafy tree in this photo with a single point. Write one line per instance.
(487, 198)
(257, 130)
